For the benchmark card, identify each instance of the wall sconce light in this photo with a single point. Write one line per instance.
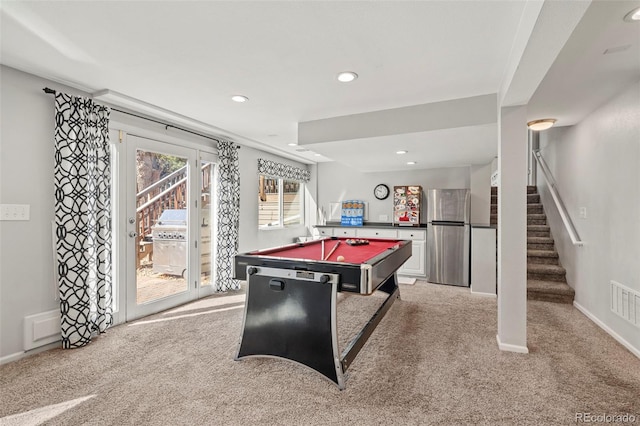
(542, 124)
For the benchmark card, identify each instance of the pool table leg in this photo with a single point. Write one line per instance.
(390, 286)
(294, 319)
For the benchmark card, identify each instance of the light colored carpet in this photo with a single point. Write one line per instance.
(432, 360)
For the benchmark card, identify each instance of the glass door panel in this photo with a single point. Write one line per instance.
(207, 223)
(158, 226)
(162, 218)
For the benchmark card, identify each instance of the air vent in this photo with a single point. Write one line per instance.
(302, 150)
(625, 303)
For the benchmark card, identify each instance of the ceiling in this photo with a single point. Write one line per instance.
(413, 57)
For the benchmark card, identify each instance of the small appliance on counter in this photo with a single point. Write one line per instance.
(407, 205)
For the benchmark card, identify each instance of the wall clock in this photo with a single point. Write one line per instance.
(381, 191)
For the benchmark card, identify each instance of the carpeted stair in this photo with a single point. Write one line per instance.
(545, 276)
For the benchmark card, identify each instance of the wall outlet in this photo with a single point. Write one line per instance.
(383, 218)
(583, 212)
(14, 211)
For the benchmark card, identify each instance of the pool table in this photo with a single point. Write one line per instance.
(290, 311)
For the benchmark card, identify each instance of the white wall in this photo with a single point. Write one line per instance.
(512, 229)
(480, 180)
(337, 182)
(596, 165)
(26, 177)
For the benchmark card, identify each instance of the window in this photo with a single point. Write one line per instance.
(280, 202)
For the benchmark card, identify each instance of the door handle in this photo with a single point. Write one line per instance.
(133, 234)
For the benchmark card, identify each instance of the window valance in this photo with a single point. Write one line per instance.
(284, 171)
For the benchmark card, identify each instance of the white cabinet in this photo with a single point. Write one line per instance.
(377, 233)
(325, 232)
(415, 265)
(344, 232)
(483, 260)
(417, 235)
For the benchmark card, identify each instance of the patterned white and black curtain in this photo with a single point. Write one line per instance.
(83, 218)
(228, 214)
(284, 171)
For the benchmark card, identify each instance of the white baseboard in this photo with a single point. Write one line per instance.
(511, 348)
(479, 293)
(19, 355)
(606, 328)
(10, 358)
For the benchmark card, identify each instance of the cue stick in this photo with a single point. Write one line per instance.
(332, 250)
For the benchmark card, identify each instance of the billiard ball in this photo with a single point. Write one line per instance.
(340, 258)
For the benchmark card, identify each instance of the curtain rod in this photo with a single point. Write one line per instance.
(53, 92)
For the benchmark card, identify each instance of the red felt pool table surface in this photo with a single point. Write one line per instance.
(313, 250)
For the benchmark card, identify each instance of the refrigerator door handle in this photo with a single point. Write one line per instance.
(447, 223)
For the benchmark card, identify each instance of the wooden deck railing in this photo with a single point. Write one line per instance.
(269, 209)
(171, 180)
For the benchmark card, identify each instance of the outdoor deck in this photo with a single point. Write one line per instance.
(153, 286)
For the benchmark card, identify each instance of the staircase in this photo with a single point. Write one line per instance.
(545, 276)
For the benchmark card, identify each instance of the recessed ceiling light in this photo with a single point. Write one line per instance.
(292, 144)
(239, 98)
(542, 124)
(347, 76)
(401, 152)
(633, 16)
(411, 163)
(317, 155)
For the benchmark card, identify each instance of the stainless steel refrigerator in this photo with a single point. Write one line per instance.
(448, 236)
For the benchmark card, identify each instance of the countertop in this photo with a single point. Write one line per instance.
(371, 225)
(392, 226)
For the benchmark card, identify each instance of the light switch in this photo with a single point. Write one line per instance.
(14, 211)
